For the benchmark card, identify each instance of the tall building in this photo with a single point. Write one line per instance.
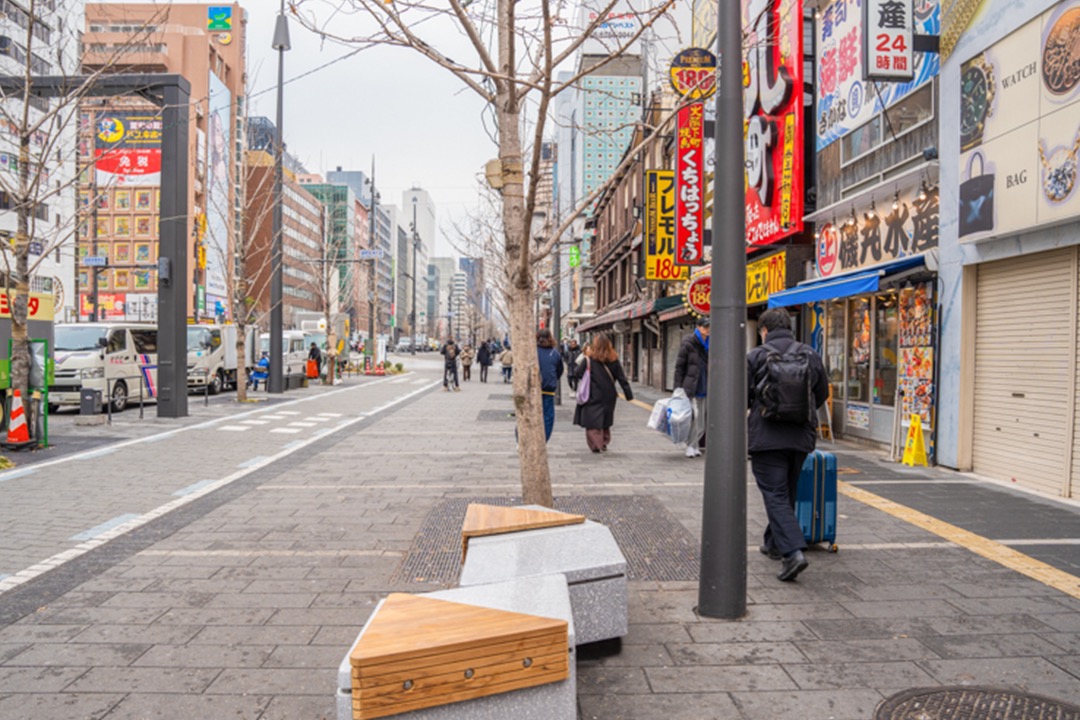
(417, 203)
(54, 50)
(344, 238)
(459, 299)
(441, 280)
(121, 138)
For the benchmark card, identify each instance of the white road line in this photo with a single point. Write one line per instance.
(255, 422)
(103, 527)
(82, 548)
(419, 382)
(288, 412)
(1041, 541)
(275, 417)
(317, 419)
(235, 428)
(335, 415)
(302, 424)
(291, 431)
(13, 474)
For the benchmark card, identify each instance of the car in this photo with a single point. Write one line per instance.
(404, 345)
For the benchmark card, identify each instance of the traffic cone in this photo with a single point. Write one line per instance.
(18, 432)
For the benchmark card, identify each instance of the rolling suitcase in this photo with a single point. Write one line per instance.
(815, 499)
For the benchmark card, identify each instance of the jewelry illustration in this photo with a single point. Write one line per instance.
(1059, 171)
(1061, 54)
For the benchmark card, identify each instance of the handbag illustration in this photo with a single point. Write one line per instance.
(976, 199)
(584, 382)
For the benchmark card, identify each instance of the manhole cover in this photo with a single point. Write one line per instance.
(973, 703)
(656, 546)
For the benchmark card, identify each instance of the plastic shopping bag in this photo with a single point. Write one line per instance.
(680, 416)
(658, 419)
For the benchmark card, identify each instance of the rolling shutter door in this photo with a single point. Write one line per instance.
(1024, 338)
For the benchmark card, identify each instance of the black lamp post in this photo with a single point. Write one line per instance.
(276, 380)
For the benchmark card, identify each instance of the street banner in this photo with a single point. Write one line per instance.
(773, 107)
(689, 182)
(660, 227)
(888, 26)
(127, 149)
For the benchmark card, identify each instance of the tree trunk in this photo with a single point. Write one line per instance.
(532, 453)
(20, 338)
(241, 363)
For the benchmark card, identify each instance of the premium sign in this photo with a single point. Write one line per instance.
(693, 73)
(689, 185)
(765, 277)
(660, 227)
(888, 26)
(127, 149)
(697, 293)
(772, 102)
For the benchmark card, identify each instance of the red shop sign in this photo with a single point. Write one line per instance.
(697, 293)
(689, 185)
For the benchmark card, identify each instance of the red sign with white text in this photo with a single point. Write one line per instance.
(773, 107)
(689, 185)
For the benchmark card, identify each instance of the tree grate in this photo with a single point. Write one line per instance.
(973, 703)
(495, 415)
(657, 547)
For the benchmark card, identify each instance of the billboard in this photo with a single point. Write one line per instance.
(773, 111)
(616, 26)
(845, 100)
(218, 182)
(689, 185)
(1020, 128)
(127, 149)
(660, 227)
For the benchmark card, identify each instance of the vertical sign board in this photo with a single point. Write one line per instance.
(660, 227)
(127, 149)
(888, 26)
(773, 107)
(689, 182)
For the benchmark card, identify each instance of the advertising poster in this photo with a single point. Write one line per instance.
(1020, 128)
(660, 227)
(916, 370)
(218, 207)
(773, 107)
(765, 277)
(127, 149)
(845, 100)
(689, 185)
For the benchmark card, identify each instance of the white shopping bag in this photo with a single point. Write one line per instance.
(680, 415)
(658, 419)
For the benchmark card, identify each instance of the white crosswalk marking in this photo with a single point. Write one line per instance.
(302, 424)
(316, 418)
(234, 428)
(255, 422)
(289, 430)
(288, 412)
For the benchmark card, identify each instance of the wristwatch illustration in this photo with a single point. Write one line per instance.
(976, 100)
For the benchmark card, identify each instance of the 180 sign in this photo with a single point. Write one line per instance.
(693, 73)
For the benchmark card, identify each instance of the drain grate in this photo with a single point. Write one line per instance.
(657, 547)
(972, 703)
(495, 415)
(501, 396)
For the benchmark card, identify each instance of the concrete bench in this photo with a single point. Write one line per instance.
(419, 659)
(586, 553)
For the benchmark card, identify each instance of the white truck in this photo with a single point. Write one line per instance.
(211, 357)
(294, 351)
(119, 359)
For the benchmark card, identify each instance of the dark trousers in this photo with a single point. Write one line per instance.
(549, 413)
(451, 372)
(483, 373)
(777, 474)
(507, 371)
(466, 373)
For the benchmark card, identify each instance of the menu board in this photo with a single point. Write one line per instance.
(916, 371)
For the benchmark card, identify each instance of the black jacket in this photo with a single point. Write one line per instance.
(599, 412)
(483, 355)
(450, 352)
(688, 365)
(764, 435)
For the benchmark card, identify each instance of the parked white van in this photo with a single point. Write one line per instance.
(293, 347)
(119, 359)
(211, 356)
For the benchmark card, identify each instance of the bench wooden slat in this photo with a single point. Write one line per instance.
(481, 520)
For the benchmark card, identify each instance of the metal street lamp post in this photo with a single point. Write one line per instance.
(416, 244)
(372, 288)
(276, 380)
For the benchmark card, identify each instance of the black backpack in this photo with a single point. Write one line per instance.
(784, 386)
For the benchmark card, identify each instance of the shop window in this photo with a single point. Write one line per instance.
(835, 349)
(913, 110)
(885, 350)
(858, 362)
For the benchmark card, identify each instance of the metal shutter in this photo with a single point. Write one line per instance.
(1024, 339)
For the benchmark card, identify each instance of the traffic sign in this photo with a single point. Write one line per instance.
(371, 254)
(95, 261)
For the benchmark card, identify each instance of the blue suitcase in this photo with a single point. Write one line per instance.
(815, 499)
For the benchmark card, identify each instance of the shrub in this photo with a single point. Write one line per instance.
(399, 367)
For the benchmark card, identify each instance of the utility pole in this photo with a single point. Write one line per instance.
(276, 381)
(722, 588)
(372, 288)
(415, 245)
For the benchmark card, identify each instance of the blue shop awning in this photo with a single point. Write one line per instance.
(831, 288)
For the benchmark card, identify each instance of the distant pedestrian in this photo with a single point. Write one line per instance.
(551, 370)
(483, 357)
(450, 355)
(787, 384)
(467, 355)
(692, 375)
(570, 358)
(261, 373)
(506, 359)
(597, 414)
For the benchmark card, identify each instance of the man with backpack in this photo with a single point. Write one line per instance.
(450, 354)
(787, 383)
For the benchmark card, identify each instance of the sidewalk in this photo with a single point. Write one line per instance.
(241, 605)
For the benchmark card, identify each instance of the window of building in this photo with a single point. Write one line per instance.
(858, 360)
(835, 347)
(902, 117)
(885, 350)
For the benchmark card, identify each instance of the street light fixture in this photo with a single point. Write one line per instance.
(416, 244)
(276, 380)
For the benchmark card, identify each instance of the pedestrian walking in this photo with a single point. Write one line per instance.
(314, 364)
(483, 358)
(449, 352)
(506, 359)
(597, 413)
(573, 352)
(692, 375)
(551, 370)
(467, 355)
(787, 384)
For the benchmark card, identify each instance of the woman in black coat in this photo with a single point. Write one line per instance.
(483, 356)
(597, 414)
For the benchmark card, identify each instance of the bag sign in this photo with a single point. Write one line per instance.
(689, 185)
(888, 26)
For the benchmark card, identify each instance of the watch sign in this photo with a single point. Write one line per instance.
(689, 185)
(888, 26)
(772, 103)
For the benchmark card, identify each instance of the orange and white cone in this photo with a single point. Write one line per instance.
(18, 432)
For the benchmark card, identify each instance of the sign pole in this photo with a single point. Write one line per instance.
(722, 588)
